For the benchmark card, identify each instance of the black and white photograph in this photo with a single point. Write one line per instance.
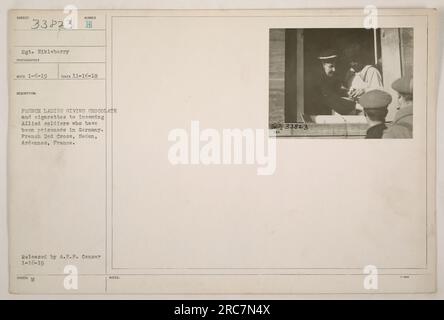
(341, 83)
(202, 154)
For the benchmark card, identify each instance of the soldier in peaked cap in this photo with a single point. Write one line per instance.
(332, 91)
(402, 126)
(375, 103)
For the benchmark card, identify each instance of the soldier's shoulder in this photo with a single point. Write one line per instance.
(397, 130)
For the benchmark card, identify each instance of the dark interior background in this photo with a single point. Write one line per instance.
(346, 42)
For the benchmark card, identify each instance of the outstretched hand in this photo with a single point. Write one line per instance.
(356, 93)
